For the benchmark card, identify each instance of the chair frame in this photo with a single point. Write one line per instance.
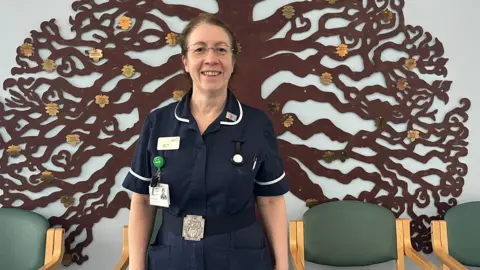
(122, 264)
(54, 249)
(404, 246)
(440, 246)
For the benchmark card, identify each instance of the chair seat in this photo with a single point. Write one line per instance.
(27, 241)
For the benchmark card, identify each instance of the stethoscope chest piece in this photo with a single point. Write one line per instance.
(237, 159)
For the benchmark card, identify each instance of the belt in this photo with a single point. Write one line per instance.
(193, 227)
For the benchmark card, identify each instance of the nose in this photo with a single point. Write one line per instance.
(211, 58)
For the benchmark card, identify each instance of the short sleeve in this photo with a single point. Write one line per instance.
(140, 174)
(270, 179)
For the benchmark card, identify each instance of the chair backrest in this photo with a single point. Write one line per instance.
(349, 233)
(463, 230)
(23, 237)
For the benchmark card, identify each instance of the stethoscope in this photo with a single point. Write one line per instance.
(237, 158)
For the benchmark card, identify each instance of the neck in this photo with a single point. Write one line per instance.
(208, 104)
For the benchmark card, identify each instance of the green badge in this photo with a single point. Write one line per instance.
(158, 162)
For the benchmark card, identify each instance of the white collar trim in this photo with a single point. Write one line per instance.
(221, 122)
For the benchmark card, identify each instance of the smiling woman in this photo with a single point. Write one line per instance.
(220, 160)
(222, 41)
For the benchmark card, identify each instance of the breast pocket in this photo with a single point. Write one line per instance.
(242, 174)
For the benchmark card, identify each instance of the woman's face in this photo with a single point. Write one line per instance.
(209, 58)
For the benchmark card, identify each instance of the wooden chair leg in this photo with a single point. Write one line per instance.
(122, 264)
(56, 253)
(400, 247)
(440, 248)
(297, 244)
(416, 257)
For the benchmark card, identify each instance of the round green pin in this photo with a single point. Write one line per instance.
(159, 162)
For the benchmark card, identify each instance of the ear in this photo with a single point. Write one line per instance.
(184, 60)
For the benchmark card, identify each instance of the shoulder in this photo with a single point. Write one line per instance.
(255, 116)
(162, 114)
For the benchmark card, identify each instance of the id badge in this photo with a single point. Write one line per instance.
(160, 195)
(168, 143)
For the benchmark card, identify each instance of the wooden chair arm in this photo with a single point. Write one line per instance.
(297, 244)
(416, 257)
(438, 227)
(122, 264)
(55, 249)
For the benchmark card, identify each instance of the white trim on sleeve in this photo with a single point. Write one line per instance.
(271, 182)
(140, 177)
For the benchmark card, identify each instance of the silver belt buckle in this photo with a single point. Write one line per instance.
(193, 227)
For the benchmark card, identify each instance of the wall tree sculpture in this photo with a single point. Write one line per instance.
(51, 118)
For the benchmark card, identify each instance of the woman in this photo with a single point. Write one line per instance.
(217, 158)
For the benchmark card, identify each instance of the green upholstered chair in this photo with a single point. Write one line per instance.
(122, 264)
(27, 242)
(456, 239)
(352, 233)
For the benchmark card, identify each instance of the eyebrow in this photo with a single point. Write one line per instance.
(218, 43)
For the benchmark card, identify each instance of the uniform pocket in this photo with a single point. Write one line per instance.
(251, 259)
(159, 257)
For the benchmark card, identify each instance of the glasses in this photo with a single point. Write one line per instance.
(202, 50)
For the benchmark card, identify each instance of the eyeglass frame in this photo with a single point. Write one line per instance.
(215, 48)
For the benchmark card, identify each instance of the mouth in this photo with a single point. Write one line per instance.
(211, 73)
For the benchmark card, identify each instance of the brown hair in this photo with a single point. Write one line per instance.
(207, 19)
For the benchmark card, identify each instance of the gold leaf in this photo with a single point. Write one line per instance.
(273, 107)
(13, 150)
(73, 139)
(49, 65)
(67, 259)
(128, 71)
(342, 50)
(51, 109)
(171, 39)
(413, 135)
(402, 84)
(311, 202)
(27, 49)
(125, 22)
(411, 63)
(95, 54)
(47, 177)
(386, 15)
(287, 121)
(47, 174)
(332, 1)
(288, 11)
(178, 94)
(67, 201)
(101, 100)
(329, 156)
(326, 78)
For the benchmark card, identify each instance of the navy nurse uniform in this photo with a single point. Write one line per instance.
(204, 181)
